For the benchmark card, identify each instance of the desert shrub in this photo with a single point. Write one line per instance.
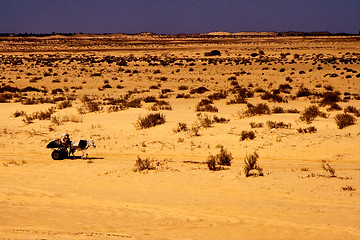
(19, 114)
(251, 164)
(247, 135)
(151, 120)
(330, 98)
(285, 88)
(352, 109)
(161, 105)
(183, 95)
(143, 164)
(217, 119)
(278, 110)
(212, 53)
(310, 129)
(199, 90)
(326, 166)
(205, 120)
(272, 97)
(238, 100)
(222, 94)
(166, 90)
(58, 120)
(272, 124)
(194, 131)
(223, 158)
(259, 109)
(211, 162)
(89, 105)
(303, 92)
(292, 111)
(256, 125)
(344, 120)
(205, 106)
(64, 104)
(150, 99)
(135, 103)
(334, 107)
(310, 113)
(348, 188)
(183, 87)
(181, 127)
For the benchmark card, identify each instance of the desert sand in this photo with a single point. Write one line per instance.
(107, 197)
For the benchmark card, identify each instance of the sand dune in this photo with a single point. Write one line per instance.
(103, 197)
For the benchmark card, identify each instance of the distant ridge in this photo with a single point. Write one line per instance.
(210, 34)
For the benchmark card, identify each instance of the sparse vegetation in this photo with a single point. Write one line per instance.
(223, 158)
(143, 164)
(310, 113)
(150, 120)
(326, 166)
(344, 120)
(251, 164)
(247, 135)
(259, 109)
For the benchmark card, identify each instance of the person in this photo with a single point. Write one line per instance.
(65, 140)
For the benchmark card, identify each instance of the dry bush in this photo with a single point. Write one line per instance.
(205, 106)
(143, 164)
(64, 104)
(256, 125)
(310, 129)
(326, 166)
(344, 120)
(182, 127)
(224, 158)
(212, 53)
(352, 109)
(205, 120)
(330, 98)
(58, 120)
(217, 119)
(161, 105)
(247, 135)
(272, 124)
(194, 131)
(278, 110)
(89, 105)
(19, 113)
(151, 120)
(310, 113)
(259, 109)
(303, 92)
(222, 94)
(348, 188)
(272, 97)
(150, 99)
(251, 164)
(40, 115)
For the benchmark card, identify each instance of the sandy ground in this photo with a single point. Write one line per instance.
(104, 198)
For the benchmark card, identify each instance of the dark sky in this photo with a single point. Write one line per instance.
(178, 16)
